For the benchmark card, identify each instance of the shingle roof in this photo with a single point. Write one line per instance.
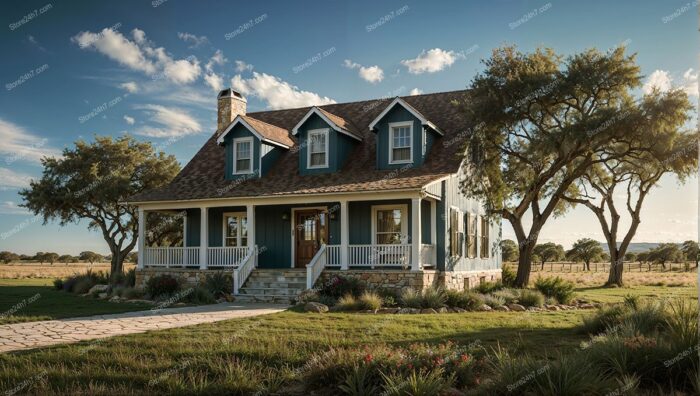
(342, 123)
(269, 131)
(203, 176)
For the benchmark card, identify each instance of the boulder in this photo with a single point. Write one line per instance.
(443, 310)
(388, 310)
(459, 310)
(408, 311)
(516, 307)
(99, 289)
(315, 307)
(502, 308)
(586, 306)
(102, 296)
(428, 311)
(113, 299)
(552, 308)
(534, 309)
(485, 308)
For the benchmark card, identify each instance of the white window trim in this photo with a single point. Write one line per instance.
(252, 155)
(404, 220)
(393, 125)
(322, 131)
(225, 227)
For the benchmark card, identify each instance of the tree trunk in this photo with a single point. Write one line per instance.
(116, 266)
(616, 267)
(524, 264)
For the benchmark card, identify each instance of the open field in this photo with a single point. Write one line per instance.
(673, 279)
(629, 267)
(20, 270)
(25, 300)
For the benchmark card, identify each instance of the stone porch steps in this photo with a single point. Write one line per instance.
(273, 285)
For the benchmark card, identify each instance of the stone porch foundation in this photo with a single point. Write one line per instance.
(189, 277)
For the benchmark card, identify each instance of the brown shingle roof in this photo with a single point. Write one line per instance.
(269, 131)
(342, 123)
(203, 176)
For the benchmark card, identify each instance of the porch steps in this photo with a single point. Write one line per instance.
(273, 285)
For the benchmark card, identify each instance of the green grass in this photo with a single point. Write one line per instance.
(51, 303)
(617, 294)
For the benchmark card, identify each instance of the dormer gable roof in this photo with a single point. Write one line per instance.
(267, 133)
(338, 123)
(400, 102)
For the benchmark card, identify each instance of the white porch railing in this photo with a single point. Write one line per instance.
(316, 266)
(379, 256)
(225, 257)
(248, 264)
(171, 257)
(333, 256)
(428, 255)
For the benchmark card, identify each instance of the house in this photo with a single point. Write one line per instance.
(284, 199)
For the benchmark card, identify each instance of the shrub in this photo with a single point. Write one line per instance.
(468, 300)
(131, 293)
(390, 297)
(161, 285)
(494, 301)
(348, 303)
(433, 297)
(218, 284)
(508, 295)
(82, 283)
(489, 287)
(339, 286)
(531, 298)
(507, 276)
(602, 319)
(556, 287)
(127, 279)
(199, 295)
(631, 301)
(423, 382)
(82, 286)
(58, 284)
(411, 298)
(370, 301)
(359, 382)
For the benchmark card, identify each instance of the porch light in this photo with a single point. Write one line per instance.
(285, 216)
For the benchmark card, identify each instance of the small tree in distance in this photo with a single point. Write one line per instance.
(585, 250)
(90, 257)
(548, 252)
(509, 250)
(8, 257)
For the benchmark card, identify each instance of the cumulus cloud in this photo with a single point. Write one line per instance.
(129, 120)
(690, 82)
(415, 91)
(10, 180)
(193, 40)
(169, 122)
(216, 59)
(371, 74)
(140, 55)
(10, 207)
(19, 144)
(431, 61)
(278, 94)
(664, 81)
(215, 81)
(242, 66)
(130, 87)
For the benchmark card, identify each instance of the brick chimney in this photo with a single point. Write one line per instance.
(229, 104)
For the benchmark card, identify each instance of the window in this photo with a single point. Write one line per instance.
(235, 229)
(389, 224)
(318, 149)
(242, 155)
(401, 142)
(484, 237)
(471, 235)
(456, 233)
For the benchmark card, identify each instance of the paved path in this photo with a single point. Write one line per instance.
(21, 336)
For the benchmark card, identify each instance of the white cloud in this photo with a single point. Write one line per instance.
(192, 39)
(431, 61)
(242, 66)
(10, 207)
(277, 93)
(129, 120)
(216, 59)
(215, 81)
(19, 144)
(170, 121)
(10, 179)
(371, 74)
(415, 91)
(130, 86)
(664, 81)
(139, 55)
(32, 40)
(690, 82)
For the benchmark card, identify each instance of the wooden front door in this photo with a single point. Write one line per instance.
(309, 235)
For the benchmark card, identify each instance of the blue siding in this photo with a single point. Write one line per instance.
(339, 147)
(360, 220)
(397, 114)
(441, 229)
(425, 222)
(240, 131)
(193, 224)
(269, 154)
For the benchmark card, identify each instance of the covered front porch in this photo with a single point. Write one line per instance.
(397, 232)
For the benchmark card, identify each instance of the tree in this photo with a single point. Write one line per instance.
(93, 181)
(132, 257)
(90, 257)
(539, 122)
(8, 257)
(585, 250)
(666, 252)
(629, 256)
(51, 257)
(548, 252)
(66, 258)
(40, 257)
(509, 250)
(672, 152)
(691, 251)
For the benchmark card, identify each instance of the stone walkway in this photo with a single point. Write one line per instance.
(29, 335)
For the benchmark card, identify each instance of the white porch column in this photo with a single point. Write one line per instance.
(344, 234)
(250, 215)
(415, 234)
(142, 238)
(433, 230)
(203, 236)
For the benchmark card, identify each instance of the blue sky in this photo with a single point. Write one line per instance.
(154, 73)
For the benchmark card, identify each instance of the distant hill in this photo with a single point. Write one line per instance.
(635, 247)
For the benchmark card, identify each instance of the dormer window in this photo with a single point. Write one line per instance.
(242, 155)
(317, 154)
(401, 142)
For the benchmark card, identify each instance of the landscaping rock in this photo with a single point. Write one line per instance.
(99, 289)
(221, 300)
(516, 307)
(388, 310)
(443, 310)
(552, 308)
(409, 311)
(534, 309)
(315, 307)
(502, 308)
(114, 299)
(428, 311)
(586, 306)
(459, 310)
(103, 295)
(485, 308)
(335, 308)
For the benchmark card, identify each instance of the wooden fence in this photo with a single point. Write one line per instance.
(605, 267)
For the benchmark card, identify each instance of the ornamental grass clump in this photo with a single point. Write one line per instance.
(556, 287)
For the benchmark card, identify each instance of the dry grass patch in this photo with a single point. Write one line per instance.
(57, 270)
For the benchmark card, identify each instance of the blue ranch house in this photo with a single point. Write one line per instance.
(284, 199)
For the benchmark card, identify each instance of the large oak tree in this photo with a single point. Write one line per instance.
(92, 181)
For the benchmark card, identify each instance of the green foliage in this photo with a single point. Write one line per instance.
(531, 298)
(199, 295)
(411, 298)
(82, 283)
(422, 383)
(509, 250)
(508, 295)
(58, 284)
(547, 252)
(556, 287)
(161, 285)
(390, 297)
(586, 250)
(631, 300)
(507, 276)
(434, 297)
(67, 258)
(488, 287)
(347, 302)
(338, 286)
(494, 301)
(218, 283)
(691, 250)
(90, 257)
(7, 257)
(369, 301)
(467, 299)
(358, 382)
(666, 252)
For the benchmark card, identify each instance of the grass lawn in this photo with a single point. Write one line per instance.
(239, 356)
(38, 300)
